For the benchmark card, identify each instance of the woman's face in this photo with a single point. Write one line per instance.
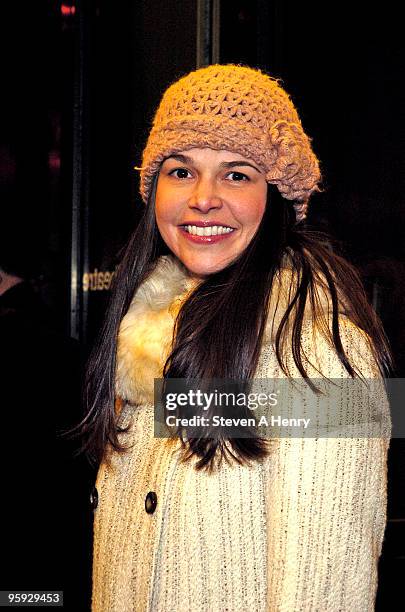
(209, 205)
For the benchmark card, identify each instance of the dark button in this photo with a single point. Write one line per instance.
(151, 502)
(94, 498)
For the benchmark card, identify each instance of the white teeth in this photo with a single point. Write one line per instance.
(212, 230)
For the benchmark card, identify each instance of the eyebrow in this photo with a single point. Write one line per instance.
(185, 159)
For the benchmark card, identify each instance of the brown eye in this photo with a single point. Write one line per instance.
(180, 173)
(238, 176)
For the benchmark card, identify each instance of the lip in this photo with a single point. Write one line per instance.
(205, 239)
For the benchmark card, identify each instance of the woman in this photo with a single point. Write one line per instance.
(221, 280)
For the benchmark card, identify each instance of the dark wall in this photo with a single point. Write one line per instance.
(36, 85)
(343, 64)
(134, 53)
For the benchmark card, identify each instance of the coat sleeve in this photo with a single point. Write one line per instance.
(326, 501)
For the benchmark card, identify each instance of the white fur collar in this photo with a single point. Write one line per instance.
(146, 331)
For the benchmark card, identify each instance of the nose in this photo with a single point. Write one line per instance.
(205, 196)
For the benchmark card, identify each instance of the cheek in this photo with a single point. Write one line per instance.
(256, 205)
(166, 215)
(161, 216)
(164, 211)
(251, 214)
(165, 227)
(258, 212)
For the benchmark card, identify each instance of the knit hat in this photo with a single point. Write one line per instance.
(242, 110)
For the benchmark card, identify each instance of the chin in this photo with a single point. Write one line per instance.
(200, 270)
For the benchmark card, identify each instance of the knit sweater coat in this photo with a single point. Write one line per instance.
(301, 530)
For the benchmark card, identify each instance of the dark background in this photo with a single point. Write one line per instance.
(80, 82)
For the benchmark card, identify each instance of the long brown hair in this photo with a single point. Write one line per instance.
(226, 316)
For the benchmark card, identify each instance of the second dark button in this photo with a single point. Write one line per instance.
(151, 502)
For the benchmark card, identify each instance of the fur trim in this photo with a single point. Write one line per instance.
(146, 331)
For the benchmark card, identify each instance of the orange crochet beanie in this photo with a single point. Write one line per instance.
(241, 110)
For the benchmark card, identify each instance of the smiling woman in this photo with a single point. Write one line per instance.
(209, 205)
(222, 280)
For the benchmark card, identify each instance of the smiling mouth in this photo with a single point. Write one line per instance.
(211, 230)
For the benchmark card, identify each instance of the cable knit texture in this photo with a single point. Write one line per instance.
(301, 530)
(238, 109)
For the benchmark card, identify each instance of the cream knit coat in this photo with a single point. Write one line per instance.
(300, 531)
